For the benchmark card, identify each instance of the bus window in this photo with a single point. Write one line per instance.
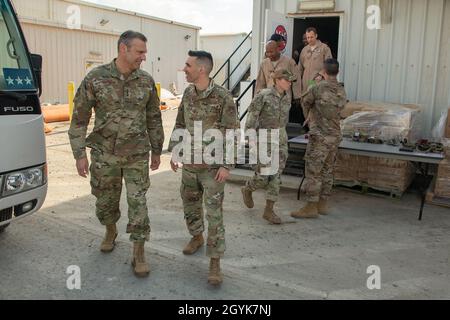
(15, 71)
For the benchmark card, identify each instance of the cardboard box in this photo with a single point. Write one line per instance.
(351, 168)
(444, 170)
(390, 174)
(446, 145)
(442, 188)
(447, 126)
(381, 173)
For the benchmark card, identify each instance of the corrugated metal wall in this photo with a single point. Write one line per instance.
(407, 61)
(65, 52)
(39, 9)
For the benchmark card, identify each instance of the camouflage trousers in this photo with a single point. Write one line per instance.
(107, 172)
(198, 185)
(320, 158)
(270, 183)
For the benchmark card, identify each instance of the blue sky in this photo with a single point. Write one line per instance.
(214, 16)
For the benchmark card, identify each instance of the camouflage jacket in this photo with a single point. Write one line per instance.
(127, 114)
(322, 104)
(214, 108)
(269, 110)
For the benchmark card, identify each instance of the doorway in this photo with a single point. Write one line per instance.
(328, 29)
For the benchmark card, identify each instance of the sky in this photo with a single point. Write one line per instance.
(213, 16)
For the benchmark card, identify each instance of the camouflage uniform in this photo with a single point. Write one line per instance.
(323, 104)
(215, 109)
(269, 110)
(127, 126)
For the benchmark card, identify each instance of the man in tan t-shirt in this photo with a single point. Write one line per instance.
(275, 61)
(312, 58)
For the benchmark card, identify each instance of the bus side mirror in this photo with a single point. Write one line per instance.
(36, 61)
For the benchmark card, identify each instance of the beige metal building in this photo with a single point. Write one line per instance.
(74, 36)
(221, 47)
(406, 59)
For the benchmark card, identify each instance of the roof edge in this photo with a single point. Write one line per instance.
(131, 13)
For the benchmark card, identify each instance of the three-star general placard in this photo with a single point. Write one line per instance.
(18, 79)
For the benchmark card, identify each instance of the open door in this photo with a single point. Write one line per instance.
(280, 24)
(328, 28)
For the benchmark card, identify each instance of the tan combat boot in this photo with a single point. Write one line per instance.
(140, 267)
(310, 211)
(109, 240)
(322, 207)
(269, 215)
(247, 195)
(214, 276)
(194, 244)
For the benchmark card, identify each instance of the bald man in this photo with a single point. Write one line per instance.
(275, 61)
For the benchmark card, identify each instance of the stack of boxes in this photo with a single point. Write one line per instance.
(442, 188)
(350, 169)
(378, 173)
(390, 174)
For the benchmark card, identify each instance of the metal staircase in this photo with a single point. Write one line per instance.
(236, 68)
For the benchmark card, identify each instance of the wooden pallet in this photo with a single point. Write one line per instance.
(363, 188)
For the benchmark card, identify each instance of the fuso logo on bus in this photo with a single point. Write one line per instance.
(18, 109)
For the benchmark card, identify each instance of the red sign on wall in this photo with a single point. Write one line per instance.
(281, 30)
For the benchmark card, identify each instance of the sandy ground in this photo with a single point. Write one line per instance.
(327, 258)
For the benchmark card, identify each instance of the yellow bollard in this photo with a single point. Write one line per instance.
(158, 89)
(71, 93)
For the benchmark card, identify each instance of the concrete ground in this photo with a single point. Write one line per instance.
(327, 258)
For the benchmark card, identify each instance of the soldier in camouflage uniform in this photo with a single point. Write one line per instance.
(127, 126)
(212, 106)
(270, 110)
(322, 103)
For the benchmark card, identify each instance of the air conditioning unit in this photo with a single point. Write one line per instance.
(316, 5)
